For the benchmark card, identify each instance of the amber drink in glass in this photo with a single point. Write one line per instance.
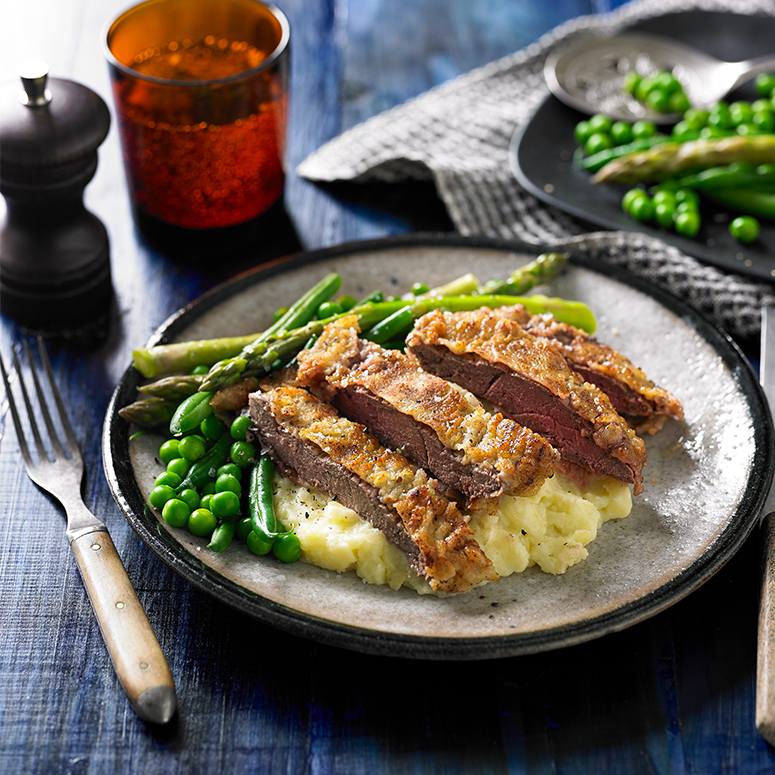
(201, 97)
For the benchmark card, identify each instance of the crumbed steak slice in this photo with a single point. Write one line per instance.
(341, 458)
(630, 390)
(438, 426)
(529, 381)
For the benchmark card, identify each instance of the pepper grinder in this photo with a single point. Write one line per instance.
(54, 254)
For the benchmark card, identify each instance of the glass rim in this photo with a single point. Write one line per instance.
(276, 53)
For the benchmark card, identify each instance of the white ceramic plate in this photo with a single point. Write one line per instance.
(705, 481)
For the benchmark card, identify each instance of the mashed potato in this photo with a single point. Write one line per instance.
(550, 529)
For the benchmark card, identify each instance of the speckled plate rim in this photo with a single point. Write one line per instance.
(124, 487)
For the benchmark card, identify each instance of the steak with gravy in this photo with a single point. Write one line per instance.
(342, 459)
(437, 425)
(632, 393)
(530, 382)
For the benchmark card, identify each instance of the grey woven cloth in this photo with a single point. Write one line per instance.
(458, 135)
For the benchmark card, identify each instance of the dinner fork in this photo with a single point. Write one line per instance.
(58, 468)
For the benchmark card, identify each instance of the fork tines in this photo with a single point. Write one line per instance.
(42, 403)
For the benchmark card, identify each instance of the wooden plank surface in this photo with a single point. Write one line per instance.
(674, 694)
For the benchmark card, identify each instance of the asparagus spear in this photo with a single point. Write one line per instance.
(173, 388)
(664, 161)
(544, 268)
(149, 412)
(183, 356)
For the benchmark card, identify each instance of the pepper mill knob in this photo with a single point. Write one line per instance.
(54, 254)
(34, 74)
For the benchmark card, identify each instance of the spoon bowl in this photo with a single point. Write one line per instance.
(589, 73)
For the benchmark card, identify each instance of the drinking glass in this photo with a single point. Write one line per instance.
(201, 97)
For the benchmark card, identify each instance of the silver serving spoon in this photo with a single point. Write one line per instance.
(588, 74)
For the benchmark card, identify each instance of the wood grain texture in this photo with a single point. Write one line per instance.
(674, 694)
(139, 662)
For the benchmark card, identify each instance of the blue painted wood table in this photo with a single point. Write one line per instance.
(673, 694)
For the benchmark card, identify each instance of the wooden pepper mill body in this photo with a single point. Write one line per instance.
(54, 254)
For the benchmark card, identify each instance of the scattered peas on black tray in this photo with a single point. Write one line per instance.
(725, 153)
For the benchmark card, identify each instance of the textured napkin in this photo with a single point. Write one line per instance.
(458, 135)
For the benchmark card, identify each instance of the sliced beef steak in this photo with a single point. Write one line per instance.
(530, 382)
(438, 426)
(341, 458)
(631, 392)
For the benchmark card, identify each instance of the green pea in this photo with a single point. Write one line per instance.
(347, 302)
(687, 223)
(631, 82)
(696, 117)
(581, 132)
(212, 428)
(764, 120)
(257, 544)
(740, 112)
(621, 132)
(644, 129)
(190, 498)
(209, 488)
(683, 131)
(224, 504)
(643, 89)
(600, 123)
(720, 119)
(239, 428)
(179, 466)
(202, 522)
(642, 209)
(765, 169)
(242, 453)
(207, 501)
(160, 494)
(202, 368)
(711, 132)
(192, 448)
(287, 548)
(765, 84)
(630, 197)
(664, 213)
(228, 482)
(745, 228)
(687, 195)
(419, 288)
(678, 102)
(176, 512)
(169, 450)
(169, 479)
(231, 469)
(761, 105)
(657, 99)
(599, 141)
(329, 308)
(664, 196)
(244, 527)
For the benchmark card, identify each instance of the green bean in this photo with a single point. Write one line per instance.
(207, 466)
(191, 412)
(261, 499)
(306, 307)
(391, 326)
(598, 160)
(222, 536)
(761, 203)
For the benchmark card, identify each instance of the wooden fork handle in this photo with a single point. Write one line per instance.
(132, 644)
